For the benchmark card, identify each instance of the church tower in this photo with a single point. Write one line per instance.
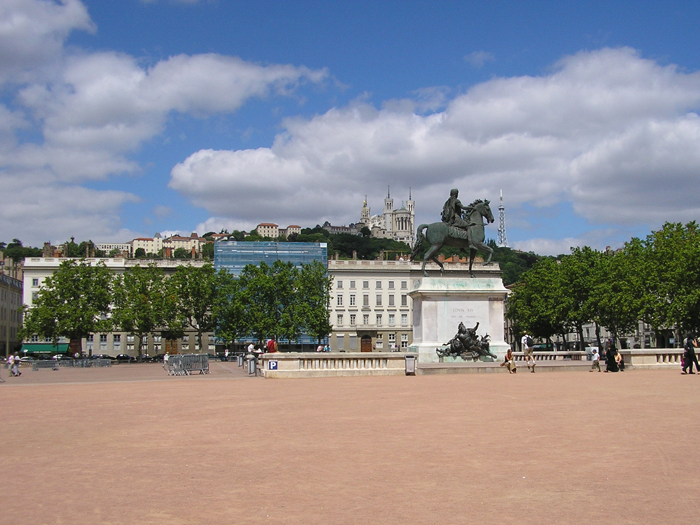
(388, 209)
(364, 214)
(411, 206)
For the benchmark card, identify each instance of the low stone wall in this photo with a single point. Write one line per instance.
(553, 356)
(653, 357)
(332, 364)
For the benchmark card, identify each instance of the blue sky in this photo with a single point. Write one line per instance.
(120, 119)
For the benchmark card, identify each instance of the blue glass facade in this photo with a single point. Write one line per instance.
(234, 255)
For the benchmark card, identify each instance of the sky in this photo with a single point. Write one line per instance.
(122, 119)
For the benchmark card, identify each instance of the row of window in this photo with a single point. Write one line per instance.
(379, 319)
(14, 297)
(365, 300)
(15, 316)
(379, 342)
(377, 285)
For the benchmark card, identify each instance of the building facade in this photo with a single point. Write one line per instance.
(10, 313)
(370, 307)
(37, 269)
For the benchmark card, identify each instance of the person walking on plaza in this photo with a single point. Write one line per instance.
(690, 356)
(509, 362)
(596, 360)
(10, 364)
(527, 344)
(15, 367)
(610, 361)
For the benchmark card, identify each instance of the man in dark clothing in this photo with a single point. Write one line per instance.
(690, 356)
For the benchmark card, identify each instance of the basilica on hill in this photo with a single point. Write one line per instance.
(397, 224)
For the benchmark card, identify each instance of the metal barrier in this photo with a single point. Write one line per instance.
(252, 364)
(179, 365)
(51, 363)
(84, 363)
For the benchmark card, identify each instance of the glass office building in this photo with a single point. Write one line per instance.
(234, 255)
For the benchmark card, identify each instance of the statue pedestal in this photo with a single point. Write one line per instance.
(441, 303)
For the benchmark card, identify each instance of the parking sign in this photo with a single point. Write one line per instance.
(272, 365)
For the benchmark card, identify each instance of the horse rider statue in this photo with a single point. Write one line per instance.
(452, 215)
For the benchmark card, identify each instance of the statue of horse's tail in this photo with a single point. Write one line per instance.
(419, 239)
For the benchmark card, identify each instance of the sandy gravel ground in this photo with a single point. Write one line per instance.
(129, 445)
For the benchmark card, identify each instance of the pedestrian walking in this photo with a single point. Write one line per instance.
(610, 360)
(596, 360)
(15, 367)
(527, 343)
(690, 356)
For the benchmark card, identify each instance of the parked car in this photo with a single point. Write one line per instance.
(123, 358)
(146, 358)
(62, 357)
(26, 359)
(103, 356)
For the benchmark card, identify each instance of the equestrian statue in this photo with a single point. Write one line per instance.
(466, 344)
(461, 227)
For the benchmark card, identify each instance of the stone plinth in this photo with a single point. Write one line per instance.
(332, 364)
(441, 303)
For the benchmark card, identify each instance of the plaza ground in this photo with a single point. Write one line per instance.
(129, 445)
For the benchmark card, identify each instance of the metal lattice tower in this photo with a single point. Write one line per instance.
(502, 240)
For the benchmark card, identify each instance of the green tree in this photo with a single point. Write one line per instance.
(15, 251)
(578, 272)
(313, 300)
(139, 305)
(208, 251)
(672, 285)
(74, 302)
(228, 311)
(195, 289)
(536, 305)
(614, 299)
(271, 303)
(182, 253)
(140, 253)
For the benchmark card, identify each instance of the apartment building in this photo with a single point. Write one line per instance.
(10, 313)
(37, 269)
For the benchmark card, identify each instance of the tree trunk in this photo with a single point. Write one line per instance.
(76, 346)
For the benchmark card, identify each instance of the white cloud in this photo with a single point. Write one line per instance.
(217, 224)
(610, 132)
(91, 111)
(479, 58)
(32, 34)
(41, 209)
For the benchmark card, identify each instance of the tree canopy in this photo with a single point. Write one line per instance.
(73, 302)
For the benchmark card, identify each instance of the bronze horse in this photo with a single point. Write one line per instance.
(438, 235)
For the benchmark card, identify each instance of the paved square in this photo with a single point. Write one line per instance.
(131, 445)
